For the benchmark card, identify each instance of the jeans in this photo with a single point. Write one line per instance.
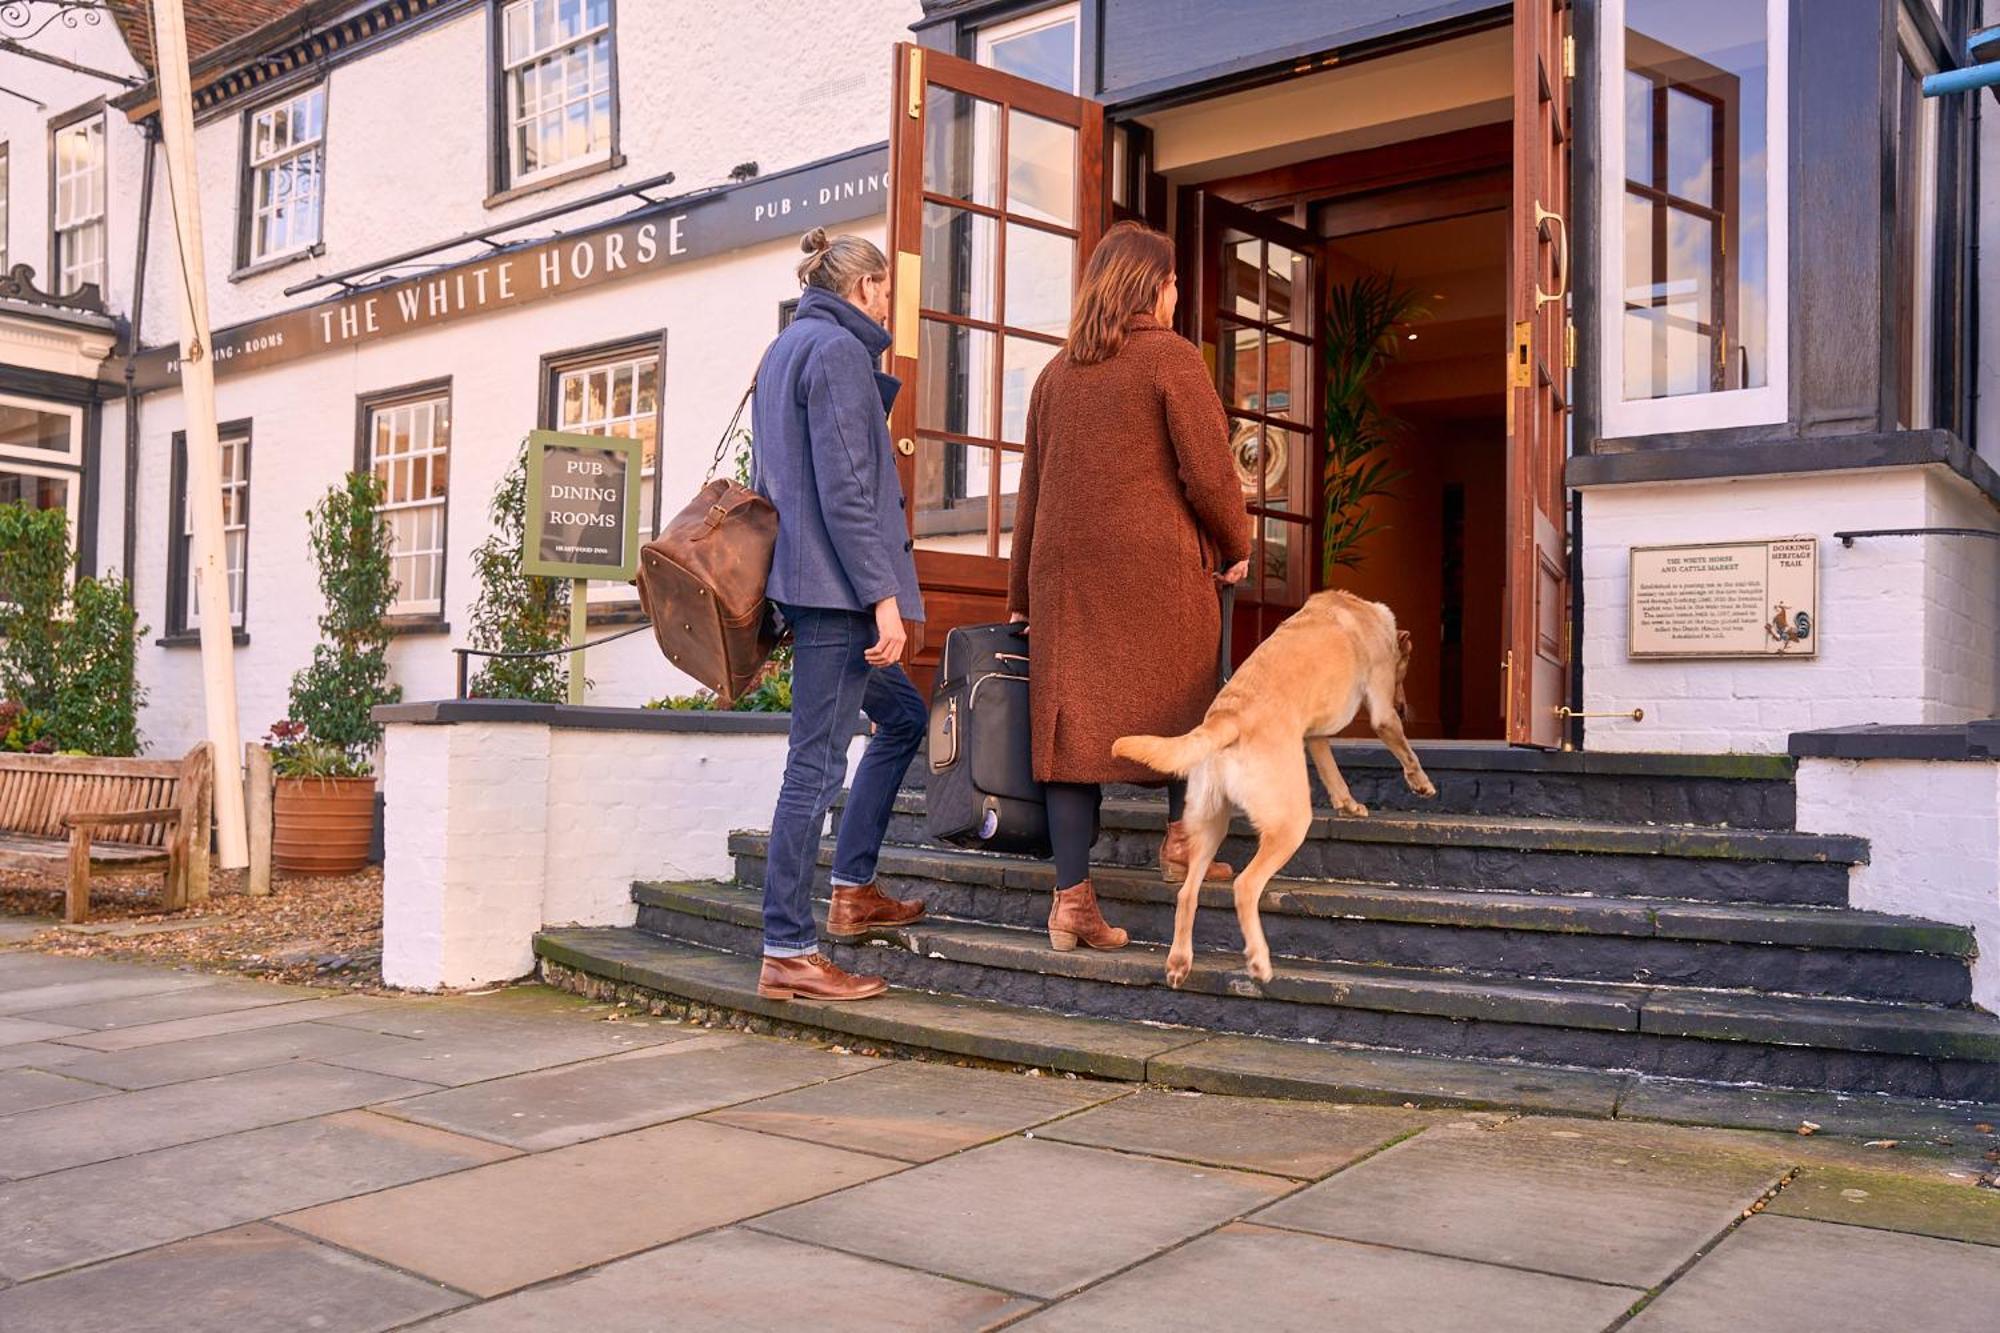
(832, 686)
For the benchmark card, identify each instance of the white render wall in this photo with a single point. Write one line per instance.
(1933, 831)
(1909, 625)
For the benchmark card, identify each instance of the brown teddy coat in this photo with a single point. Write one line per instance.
(1128, 501)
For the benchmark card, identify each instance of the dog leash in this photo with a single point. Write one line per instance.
(1223, 669)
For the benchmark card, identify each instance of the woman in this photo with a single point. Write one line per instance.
(1128, 503)
(844, 580)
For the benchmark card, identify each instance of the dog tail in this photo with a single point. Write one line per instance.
(1178, 755)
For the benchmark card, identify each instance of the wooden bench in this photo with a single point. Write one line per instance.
(109, 815)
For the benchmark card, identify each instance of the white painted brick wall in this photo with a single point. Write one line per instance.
(1933, 833)
(1909, 625)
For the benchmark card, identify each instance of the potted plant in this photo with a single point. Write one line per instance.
(1361, 322)
(322, 756)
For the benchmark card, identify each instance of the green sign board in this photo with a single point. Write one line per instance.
(583, 506)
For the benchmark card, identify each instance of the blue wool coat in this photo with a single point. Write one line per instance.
(820, 445)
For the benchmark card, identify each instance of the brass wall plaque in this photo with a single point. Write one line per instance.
(1725, 599)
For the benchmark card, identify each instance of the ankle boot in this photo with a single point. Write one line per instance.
(855, 911)
(1073, 916)
(814, 977)
(1174, 849)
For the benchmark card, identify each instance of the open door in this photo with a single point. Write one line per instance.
(1256, 284)
(999, 194)
(1537, 660)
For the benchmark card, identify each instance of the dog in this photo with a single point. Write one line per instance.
(1300, 687)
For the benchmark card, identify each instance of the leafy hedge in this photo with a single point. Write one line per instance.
(68, 654)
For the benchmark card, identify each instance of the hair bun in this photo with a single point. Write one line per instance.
(815, 242)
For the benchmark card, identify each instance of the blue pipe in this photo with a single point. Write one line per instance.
(1969, 79)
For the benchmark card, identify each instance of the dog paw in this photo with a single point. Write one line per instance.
(1259, 963)
(1178, 967)
(1423, 786)
(1353, 807)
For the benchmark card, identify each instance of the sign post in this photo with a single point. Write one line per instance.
(582, 521)
(204, 492)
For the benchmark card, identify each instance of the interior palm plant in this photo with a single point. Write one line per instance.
(1361, 320)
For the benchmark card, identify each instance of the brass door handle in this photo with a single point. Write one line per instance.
(1636, 715)
(1542, 216)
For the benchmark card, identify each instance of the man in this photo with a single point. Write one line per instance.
(845, 582)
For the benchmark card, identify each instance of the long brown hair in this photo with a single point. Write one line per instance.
(1123, 279)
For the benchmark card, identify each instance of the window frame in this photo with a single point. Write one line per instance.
(6, 201)
(1768, 404)
(503, 182)
(402, 395)
(247, 258)
(59, 126)
(1912, 56)
(986, 36)
(180, 625)
(69, 467)
(605, 595)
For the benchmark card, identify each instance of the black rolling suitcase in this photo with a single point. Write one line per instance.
(982, 793)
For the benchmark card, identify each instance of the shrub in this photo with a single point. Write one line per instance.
(336, 694)
(97, 703)
(515, 613)
(68, 655)
(771, 694)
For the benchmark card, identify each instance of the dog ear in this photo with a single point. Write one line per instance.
(1403, 642)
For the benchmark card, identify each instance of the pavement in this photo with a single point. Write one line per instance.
(187, 1151)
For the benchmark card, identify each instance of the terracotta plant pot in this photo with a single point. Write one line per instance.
(322, 826)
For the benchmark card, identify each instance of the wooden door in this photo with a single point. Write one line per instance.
(1537, 660)
(999, 194)
(1257, 319)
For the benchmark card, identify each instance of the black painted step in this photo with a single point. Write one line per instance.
(1834, 952)
(1523, 854)
(647, 967)
(1852, 1045)
(1738, 790)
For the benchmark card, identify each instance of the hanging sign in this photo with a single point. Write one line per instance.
(1725, 599)
(582, 507)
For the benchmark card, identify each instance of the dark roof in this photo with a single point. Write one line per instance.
(210, 23)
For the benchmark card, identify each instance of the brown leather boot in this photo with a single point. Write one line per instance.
(1073, 916)
(859, 909)
(813, 977)
(1174, 851)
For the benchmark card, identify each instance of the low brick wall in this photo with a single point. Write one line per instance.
(504, 817)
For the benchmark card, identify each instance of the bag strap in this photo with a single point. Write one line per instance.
(736, 419)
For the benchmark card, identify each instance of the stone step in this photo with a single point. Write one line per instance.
(1736, 790)
(1528, 854)
(1716, 1036)
(632, 963)
(1834, 952)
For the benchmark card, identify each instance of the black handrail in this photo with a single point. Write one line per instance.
(1847, 538)
(464, 654)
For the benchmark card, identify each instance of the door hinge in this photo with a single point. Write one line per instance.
(1521, 367)
(916, 83)
(1569, 55)
(1569, 343)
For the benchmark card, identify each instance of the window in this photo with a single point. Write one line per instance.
(184, 609)
(4, 165)
(1041, 46)
(284, 156)
(556, 71)
(615, 391)
(1694, 214)
(1916, 236)
(41, 455)
(79, 205)
(408, 449)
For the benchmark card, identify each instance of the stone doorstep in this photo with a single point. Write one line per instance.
(125, 930)
(1879, 1027)
(647, 969)
(1567, 914)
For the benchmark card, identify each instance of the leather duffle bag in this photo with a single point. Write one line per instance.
(701, 581)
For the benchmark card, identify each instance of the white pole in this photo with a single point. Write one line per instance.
(204, 453)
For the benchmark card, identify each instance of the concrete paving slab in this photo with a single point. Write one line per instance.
(135, 1122)
(513, 1007)
(253, 1277)
(223, 996)
(96, 1212)
(589, 1101)
(1790, 1275)
(1027, 1215)
(67, 994)
(226, 1053)
(1922, 1203)
(1625, 1204)
(32, 1089)
(1277, 1282)
(1782, 1110)
(500, 1227)
(21, 929)
(14, 1031)
(129, 930)
(37, 1055)
(470, 1039)
(1304, 1140)
(732, 1280)
(917, 1111)
(235, 1020)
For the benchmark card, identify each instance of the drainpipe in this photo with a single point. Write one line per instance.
(152, 130)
